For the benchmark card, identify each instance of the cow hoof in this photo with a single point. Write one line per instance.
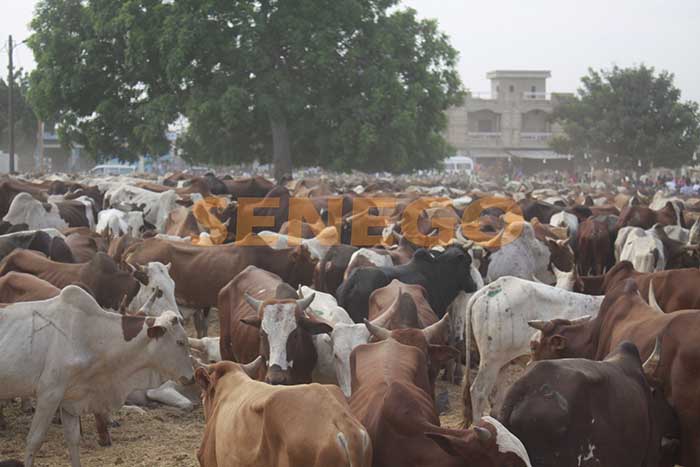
(105, 442)
(115, 424)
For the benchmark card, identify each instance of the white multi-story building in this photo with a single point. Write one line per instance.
(512, 121)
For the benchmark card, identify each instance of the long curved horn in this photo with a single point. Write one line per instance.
(652, 297)
(253, 367)
(397, 235)
(581, 320)
(253, 302)
(433, 332)
(535, 279)
(304, 303)
(483, 434)
(460, 236)
(377, 331)
(652, 363)
(538, 324)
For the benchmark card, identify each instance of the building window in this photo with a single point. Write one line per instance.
(533, 89)
(485, 126)
(512, 88)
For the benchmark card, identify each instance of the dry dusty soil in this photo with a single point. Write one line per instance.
(162, 437)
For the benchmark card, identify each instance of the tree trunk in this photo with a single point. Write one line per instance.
(281, 154)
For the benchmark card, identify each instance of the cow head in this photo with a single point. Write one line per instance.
(345, 338)
(437, 355)
(157, 291)
(562, 256)
(285, 338)
(302, 266)
(486, 444)
(207, 378)
(168, 346)
(553, 340)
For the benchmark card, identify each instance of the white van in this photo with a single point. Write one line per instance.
(104, 170)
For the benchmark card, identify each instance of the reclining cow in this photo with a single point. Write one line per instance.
(307, 425)
(80, 359)
(561, 411)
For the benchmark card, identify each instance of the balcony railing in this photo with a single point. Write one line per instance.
(485, 136)
(535, 136)
(484, 95)
(536, 96)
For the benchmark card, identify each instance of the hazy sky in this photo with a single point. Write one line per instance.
(564, 36)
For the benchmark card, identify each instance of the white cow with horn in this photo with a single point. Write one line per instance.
(75, 357)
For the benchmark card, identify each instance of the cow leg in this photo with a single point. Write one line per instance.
(71, 432)
(27, 405)
(46, 407)
(482, 387)
(201, 322)
(102, 423)
(3, 423)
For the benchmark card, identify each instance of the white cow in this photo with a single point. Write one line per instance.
(498, 315)
(158, 295)
(643, 248)
(119, 223)
(523, 257)
(318, 246)
(568, 220)
(72, 355)
(208, 348)
(156, 206)
(333, 363)
(24, 209)
(367, 257)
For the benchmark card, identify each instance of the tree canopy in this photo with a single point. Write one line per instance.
(26, 125)
(345, 84)
(630, 115)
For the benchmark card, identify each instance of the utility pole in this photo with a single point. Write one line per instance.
(10, 105)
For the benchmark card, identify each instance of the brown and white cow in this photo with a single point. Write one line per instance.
(259, 314)
(253, 424)
(624, 316)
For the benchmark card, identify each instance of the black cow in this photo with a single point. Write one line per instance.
(577, 412)
(54, 248)
(442, 275)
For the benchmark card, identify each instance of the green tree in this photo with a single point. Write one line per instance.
(26, 125)
(629, 115)
(339, 83)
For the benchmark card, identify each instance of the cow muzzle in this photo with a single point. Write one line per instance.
(276, 376)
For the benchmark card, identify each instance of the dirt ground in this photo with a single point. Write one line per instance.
(163, 437)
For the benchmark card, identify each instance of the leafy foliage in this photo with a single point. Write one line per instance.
(630, 115)
(339, 83)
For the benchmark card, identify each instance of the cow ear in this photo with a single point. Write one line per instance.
(156, 332)
(141, 276)
(442, 353)
(450, 444)
(315, 326)
(558, 342)
(255, 321)
(201, 376)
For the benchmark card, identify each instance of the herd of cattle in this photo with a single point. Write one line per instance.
(373, 291)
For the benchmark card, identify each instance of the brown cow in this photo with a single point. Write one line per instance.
(309, 425)
(200, 272)
(624, 316)
(20, 287)
(251, 187)
(594, 251)
(401, 306)
(674, 289)
(393, 397)
(261, 315)
(645, 217)
(101, 276)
